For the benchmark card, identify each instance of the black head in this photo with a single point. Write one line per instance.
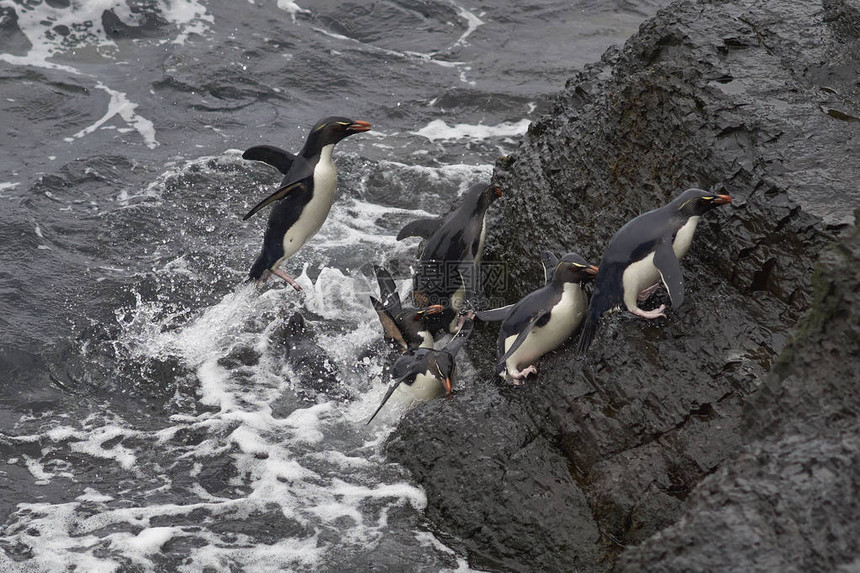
(444, 368)
(482, 195)
(694, 202)
(329, 131)
(572, 268)
(412, 321)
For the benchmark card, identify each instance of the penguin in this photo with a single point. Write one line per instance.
(304, 197)
(642, 254)
(422, 374)
(543, 319)
(403, 328)
(454, 245)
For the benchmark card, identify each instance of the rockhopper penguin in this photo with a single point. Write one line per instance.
(423, 374)
(643, 253)
(403, 328)
(304, 197)
(447, 267)
(543, 319)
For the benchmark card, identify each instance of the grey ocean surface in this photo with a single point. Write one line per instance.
(155, 412)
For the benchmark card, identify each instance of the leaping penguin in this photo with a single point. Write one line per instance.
(423, 374)
(543, 319)
(305, 195)
(644, 252)
(403, 328)
(447, 266)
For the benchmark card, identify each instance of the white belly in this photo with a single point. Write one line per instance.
(316, 211)
(643, 274)
(636, 278)
(564, 319)
(424, 388)
(684, 237)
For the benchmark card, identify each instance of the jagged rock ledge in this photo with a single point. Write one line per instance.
(597, 459)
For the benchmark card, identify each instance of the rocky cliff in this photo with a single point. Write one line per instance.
(707, 418)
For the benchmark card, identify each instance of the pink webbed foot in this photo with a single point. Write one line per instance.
(519, 377)
(643, 296)
(290, 280)
(650, 314)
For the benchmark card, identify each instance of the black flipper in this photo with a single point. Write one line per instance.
(670, 271)
(549, 261)
(405, 366)
(389, 326)
(521, 337)
(387, 290)
(494, 314)
(423, 228)
(274, 156)
(279, 194)
(388, 394)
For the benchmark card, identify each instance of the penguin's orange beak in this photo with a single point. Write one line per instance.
(432, 309)
(446, 383)
(358, 126)
(498, 192)
(722, 200)
(591, 269)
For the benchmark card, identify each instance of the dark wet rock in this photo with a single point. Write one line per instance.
(789, 502)
(739, 97)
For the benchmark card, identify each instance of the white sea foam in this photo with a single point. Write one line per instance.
(119, 105)
(472, 23)
(438, 129)
(292, 8)
(315, 463)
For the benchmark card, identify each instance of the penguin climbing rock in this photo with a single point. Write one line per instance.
(643, 253)
(304, 197)
(423, 374)
(403, 328)
(543, 319)
(446, 272)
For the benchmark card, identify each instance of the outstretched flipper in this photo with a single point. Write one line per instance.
(271, 155)
(670, 271)
(423, 228)
(279, 194)
(387, 290)
(494, 314)
(389, 326)
(405, 366)
(299, 170)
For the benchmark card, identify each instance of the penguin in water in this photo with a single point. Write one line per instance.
(454, 245)
(643, 253)
(543, 319)
(423, 374)
(304, 197)
(403, 328)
